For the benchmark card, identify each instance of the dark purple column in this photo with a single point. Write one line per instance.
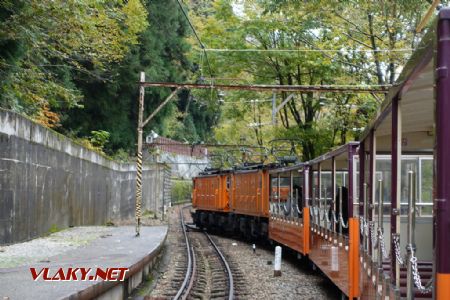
(333, 190)
(351, 187)
(370, 192)
(319, 190)
(311, 183)
(395, 165)
(362, 162)
(442, 161)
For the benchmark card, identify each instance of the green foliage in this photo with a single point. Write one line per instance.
(54, 229)
(148, 213)
(319, 121)
(181, 190)
(121, 155)
(112, 105)
(99, 138)
(73, 65)
(45, 42)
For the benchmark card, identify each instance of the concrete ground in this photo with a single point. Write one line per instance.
(79, 247)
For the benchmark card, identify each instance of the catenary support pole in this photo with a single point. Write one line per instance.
(141, 125)
(139, 155)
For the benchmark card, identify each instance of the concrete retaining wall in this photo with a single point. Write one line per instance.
(46, 181)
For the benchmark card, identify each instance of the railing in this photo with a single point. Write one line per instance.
(367, 228)
(287, 209)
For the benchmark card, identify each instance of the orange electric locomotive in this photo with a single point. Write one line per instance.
(211, 196)
(233, 200)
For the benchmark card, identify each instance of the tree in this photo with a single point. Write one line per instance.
(112, 105)
(46, 41)
(350, 28)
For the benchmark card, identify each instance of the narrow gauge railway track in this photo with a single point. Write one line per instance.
(208, 274)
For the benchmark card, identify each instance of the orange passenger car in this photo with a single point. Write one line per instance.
(334, 225)
(289, 213)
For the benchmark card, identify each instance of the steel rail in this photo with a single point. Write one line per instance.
(224, 261)
(188, 281)
(190, 268)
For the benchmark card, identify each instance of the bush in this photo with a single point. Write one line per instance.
(181, 191)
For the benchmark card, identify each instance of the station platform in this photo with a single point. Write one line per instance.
(84, 248)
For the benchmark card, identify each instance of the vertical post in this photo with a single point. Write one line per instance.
(341, 216)
(362, 161)
(362, 192)
(411, 228)
(139, 154)
(333, 190)
(395, 187)
(306, 209)
(442, 159)
(353, 227)
(319, 189)
(277, 262)
(291, 194)
(372, 184)
(351, 181)
(306, 186)
(279, 195)
(380, 225)
(365, 237)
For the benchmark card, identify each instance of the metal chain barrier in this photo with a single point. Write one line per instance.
(366, 228)
(416, 276)
(299, 212)
(322, 214)
(381, 243)
(341, 219)
(398, 255)
(327, 216)
(373, 236)
(285, 210)
(335, 219)
(361, 225)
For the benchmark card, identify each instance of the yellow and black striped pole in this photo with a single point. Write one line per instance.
(139, 156)
(141, 124)
(138, 192)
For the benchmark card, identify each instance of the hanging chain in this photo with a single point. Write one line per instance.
(361, 225)
(366, 228)
(398, 255)
(416, 276)
(341, 219)
(322, 214)
(327, 215)
(334, 218)
(372, 233)
(299, 211)
(381, 243)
